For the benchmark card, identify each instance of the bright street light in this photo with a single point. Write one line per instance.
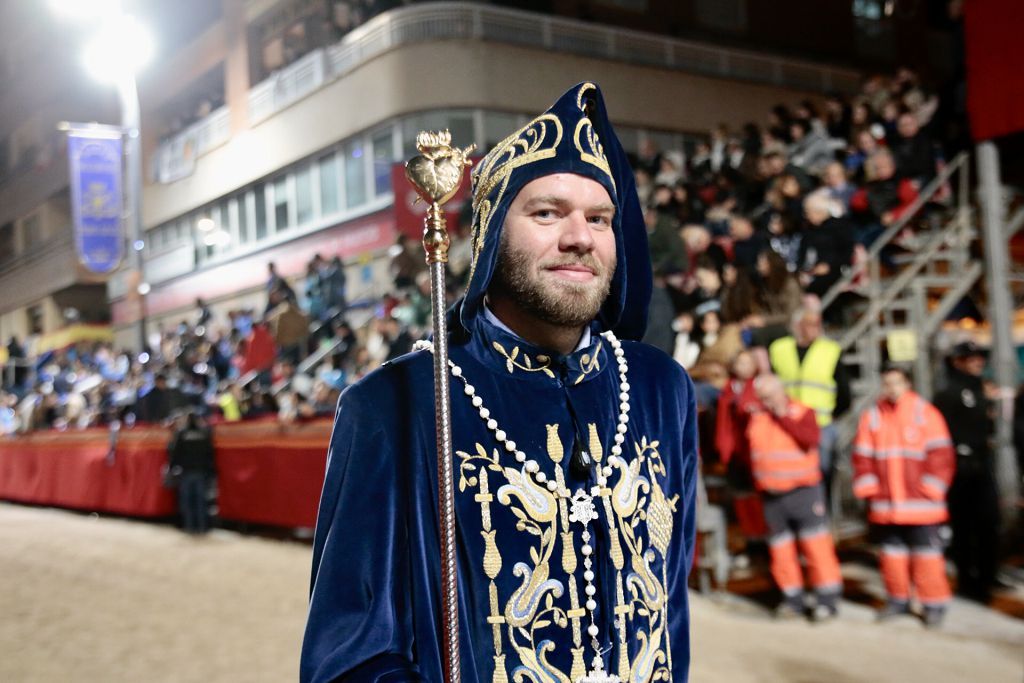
(120, 48)
(205, 224)
(219, 238)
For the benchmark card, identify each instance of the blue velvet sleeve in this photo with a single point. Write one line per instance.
(683, 537)
(358, 628)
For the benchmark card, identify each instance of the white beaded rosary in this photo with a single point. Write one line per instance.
(581, 502)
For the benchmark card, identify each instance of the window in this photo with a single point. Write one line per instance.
(31, 231)
(261, 211)
(34, 314)
(330, 195)
(459, 123)
(355, 173)
(383, 158)
(634, 5)
(722, 15)
(874, 32)
(281, 221)
(244, 223)
(304, 195)
(6, 241)
(498, 126)
(222, 217)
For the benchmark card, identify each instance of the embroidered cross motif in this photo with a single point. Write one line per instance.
(583, 510)
(598, 674)
(599, 677)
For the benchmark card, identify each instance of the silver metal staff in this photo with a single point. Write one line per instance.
(436, 173)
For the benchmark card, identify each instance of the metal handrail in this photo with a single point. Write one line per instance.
(883, 240)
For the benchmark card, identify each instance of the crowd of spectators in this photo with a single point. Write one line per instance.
(741, 228)
(245, 365)
(755, 219)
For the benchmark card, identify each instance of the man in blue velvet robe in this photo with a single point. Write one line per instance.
(575, 449)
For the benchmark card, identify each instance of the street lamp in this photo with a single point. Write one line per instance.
(121, 46)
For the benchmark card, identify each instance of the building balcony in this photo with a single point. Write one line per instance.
(437, 55)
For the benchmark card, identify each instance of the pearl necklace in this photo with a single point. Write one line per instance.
(581, 502)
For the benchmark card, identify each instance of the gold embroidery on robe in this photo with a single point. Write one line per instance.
(538, 617)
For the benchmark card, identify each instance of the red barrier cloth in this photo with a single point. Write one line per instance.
(71, 470)
(270, 473)
(267, 473)
(995, 81)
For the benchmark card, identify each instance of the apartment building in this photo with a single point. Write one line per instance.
(271, 128)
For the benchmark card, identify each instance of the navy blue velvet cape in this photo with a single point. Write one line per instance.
(375, 604)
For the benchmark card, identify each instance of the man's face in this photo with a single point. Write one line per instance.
(834, 175)
(771, 394)
(971, 365)
(907, 125)
(884, 166)
(808, 328)
(740, 228)
(557, 253)
(894, 385)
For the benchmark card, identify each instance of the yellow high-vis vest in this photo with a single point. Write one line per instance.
(813, 381)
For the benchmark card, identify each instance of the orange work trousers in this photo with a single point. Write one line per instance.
(911, 561)
(798, 525)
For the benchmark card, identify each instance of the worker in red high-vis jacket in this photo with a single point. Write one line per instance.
(903, 464)
(783, 437)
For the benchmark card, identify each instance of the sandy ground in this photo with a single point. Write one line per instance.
(110, 600)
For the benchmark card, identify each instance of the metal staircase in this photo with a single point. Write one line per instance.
(907, 299)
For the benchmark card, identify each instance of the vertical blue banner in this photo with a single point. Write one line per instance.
(96, 198)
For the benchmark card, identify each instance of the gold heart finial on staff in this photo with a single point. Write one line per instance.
(435, 174)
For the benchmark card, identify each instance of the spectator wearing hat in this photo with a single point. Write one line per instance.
(973, 496)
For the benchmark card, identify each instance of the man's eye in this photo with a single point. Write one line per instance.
(601, 220)
(544, 214)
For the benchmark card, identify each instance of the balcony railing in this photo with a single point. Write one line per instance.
(436, 21)
(176, 158)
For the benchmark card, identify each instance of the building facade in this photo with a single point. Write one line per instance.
(271, 128)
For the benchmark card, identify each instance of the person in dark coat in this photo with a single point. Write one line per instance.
(973, 497)
(159, 402)
(191, 461)
(826, 248)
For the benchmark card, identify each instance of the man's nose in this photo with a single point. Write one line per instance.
(576, 233)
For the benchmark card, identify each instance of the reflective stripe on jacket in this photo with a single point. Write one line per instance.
(903, 462)
(778, 461)
(811, 382)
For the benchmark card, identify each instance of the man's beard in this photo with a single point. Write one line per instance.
(556, 302)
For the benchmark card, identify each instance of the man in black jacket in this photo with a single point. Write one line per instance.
(973, 497)
(826, 247)
(190, 457)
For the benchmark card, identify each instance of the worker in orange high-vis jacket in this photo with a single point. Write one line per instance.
(783, 437)
(903, 464)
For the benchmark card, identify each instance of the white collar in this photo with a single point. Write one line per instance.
(493, 319)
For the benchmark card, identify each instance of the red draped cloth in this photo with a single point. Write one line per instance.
(995, 79)
(267, 473)
(73, 470)
(270, 473)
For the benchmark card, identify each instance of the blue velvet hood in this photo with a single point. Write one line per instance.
(573, 136)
